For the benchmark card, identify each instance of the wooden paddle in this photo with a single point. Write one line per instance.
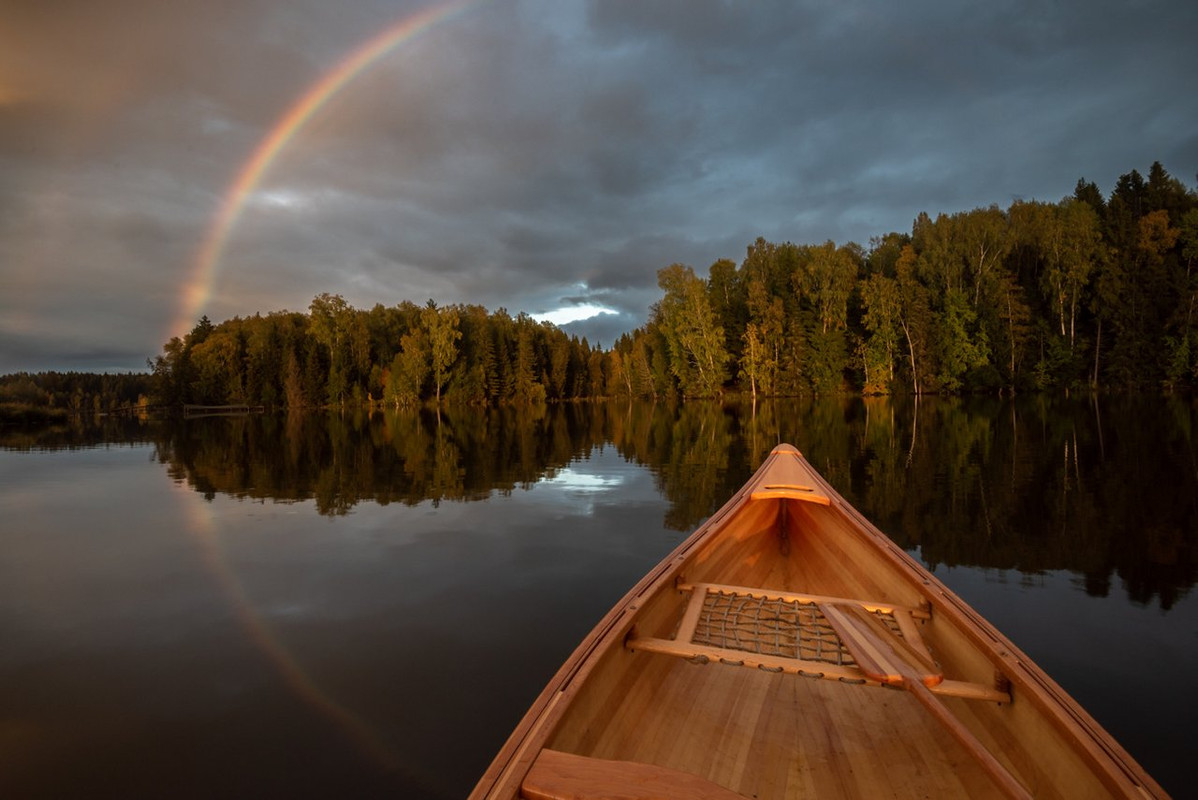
(886, 658)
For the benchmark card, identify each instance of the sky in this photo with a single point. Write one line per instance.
(162, 161)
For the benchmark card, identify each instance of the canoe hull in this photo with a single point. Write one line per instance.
(767, 656)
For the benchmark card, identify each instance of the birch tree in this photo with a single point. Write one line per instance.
(698, 358)
(441, 326)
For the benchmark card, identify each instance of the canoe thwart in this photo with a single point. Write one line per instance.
(798, 597)
(556, 775)
(793, 666)
(704, 654)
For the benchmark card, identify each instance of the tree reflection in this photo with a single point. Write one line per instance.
(1102, 487)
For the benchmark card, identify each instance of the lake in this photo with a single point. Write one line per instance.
(365, 604)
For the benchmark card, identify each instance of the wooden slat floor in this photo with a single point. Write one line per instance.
(782, 736)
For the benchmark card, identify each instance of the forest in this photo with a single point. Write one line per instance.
(1092, 291)
(51, 397)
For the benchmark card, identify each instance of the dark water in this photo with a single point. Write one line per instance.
(352, 605)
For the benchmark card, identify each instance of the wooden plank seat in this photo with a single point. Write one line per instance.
(791, 632)
(556, 775)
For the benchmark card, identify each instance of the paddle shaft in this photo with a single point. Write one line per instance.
(885, 658)
(997, 772)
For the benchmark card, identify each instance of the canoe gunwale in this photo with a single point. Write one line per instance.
(514, 759)
(1118, 770)
(1113, 766)
(1028, 682)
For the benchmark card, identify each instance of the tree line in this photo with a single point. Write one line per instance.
(1092, 290)
(395, 356)
(47, 397)
(1087, 291)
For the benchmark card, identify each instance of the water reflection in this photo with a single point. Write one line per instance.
(1104, 488)
(582, 483)
(256, 623)
(186, 603)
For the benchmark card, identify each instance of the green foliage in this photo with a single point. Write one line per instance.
(441, 327)
(828, 279)
(827, 359)
(409, 369)
(1038, 295)
(27, 415)
(879, 349)
(47, 396)
(1086, 290)
(1182, 366)
(695, 340)
(962, 346)
(404, 355)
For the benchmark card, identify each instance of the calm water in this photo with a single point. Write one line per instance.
(364, 606)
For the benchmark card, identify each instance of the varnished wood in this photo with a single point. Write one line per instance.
(888, 659)
(754, 726)
(793, 666)
(690, 618)
(795, 597)
(971, 691)
(565, 776)
(906, 622)
(882, 656)
(791, 478)
(809, 669)
(781, 491)
(1002, 777)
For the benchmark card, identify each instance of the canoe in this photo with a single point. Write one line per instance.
(789, 649)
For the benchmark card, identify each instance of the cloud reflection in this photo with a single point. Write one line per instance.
(575, 482)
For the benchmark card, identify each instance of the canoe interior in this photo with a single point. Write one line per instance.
(763, 734)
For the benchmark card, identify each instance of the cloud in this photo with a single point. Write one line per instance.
(524, 147)
(573, 313)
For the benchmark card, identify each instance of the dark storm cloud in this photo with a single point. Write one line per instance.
(976, 100)
(530, 154)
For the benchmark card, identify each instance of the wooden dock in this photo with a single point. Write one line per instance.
(193, 411)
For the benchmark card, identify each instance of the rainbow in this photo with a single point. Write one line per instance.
(205, 533)
(198, 288)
